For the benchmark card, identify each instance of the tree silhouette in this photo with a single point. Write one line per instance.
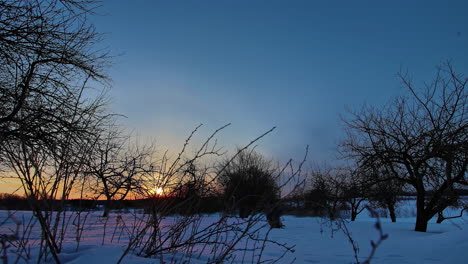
(424, 135)
(248, 183)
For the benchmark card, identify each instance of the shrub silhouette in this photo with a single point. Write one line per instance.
(249, 184)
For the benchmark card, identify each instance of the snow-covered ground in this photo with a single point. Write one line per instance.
(315, 240)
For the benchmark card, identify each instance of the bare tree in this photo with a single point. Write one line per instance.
(324, 194)
(48, 177)
(354, 189)
(47, 56)
(48, 115)
(117, 167)
(384, 191)
(424, 135)
(335, 189)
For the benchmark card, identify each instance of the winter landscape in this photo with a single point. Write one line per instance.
(245, 131)
(311, 240)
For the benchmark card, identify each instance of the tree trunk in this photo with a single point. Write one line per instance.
(421, 225)
(353, 215)
(440, 218)
(391, 209)
(106, 211)
(421, 219)
(333, 213)
(107, 208)
(274, 218)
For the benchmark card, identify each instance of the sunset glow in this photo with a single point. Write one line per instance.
(158, 191)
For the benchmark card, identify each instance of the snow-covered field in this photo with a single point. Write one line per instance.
(315, 240)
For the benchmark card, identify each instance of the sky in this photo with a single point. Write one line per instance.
(295, 65)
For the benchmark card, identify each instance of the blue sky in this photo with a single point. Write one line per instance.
(295, 65)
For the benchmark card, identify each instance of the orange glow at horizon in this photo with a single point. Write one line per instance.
(157, 191)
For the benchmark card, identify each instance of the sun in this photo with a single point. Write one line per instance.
(156, 191)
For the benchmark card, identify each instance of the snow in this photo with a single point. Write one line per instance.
(445, 243)
(315, 240)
